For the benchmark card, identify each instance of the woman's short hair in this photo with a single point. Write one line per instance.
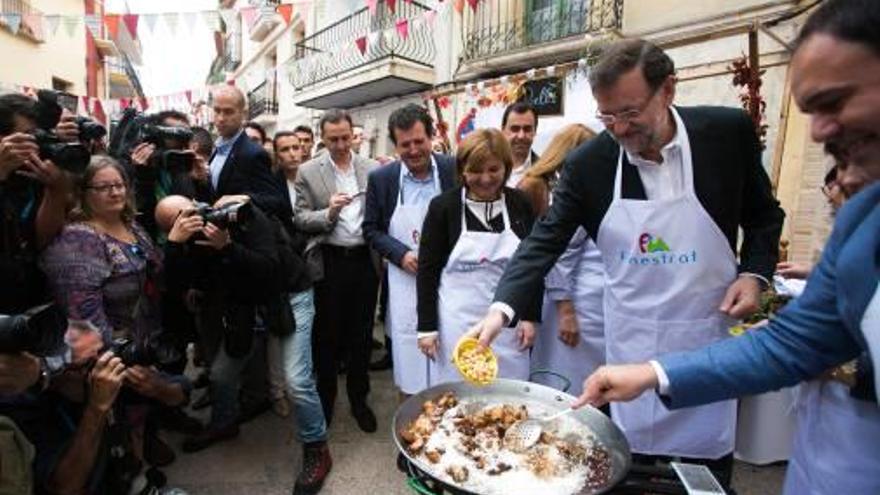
(80, 211)
(480, 146)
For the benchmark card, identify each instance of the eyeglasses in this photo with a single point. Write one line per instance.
(107, 188)
(609, 119)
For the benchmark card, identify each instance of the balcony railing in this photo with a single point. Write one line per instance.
(331, 51)
(122, 65)
(262, 100)
(232, 51)
(23, 7)
(502, 26)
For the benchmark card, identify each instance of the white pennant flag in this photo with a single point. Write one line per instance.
(52, 23)
(150, 21)
(373, 40)
(190, 19)
(70, 24)
(93, 22)
(172, 21)
(228, 17)
(209, 17)
(389, 35)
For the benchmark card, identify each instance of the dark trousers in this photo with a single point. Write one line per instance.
(345, 302)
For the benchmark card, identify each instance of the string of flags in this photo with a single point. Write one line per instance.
(39, 25)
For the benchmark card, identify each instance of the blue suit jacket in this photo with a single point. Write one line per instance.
(815, 332)
(383, 186)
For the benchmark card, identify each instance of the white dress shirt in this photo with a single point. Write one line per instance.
(519, 171)
(348, 231)
(291, 191)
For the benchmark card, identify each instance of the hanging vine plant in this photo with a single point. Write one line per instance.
(750, 95)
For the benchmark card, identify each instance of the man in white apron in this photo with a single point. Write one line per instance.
(663, 192)
(398, 195)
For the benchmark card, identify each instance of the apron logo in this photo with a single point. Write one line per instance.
(470, 266)
(653, 250)
(650, 244)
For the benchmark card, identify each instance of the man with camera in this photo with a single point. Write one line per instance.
(230, 252)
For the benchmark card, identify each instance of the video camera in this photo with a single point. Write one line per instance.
(135, 128)
(237, 212)
(145, 353)
(39, 331)
(71, 157)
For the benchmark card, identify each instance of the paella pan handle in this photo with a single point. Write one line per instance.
(417, 486)
(565, 380)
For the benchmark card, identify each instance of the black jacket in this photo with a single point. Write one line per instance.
(248, 171)
(729, 180)
(440, 232)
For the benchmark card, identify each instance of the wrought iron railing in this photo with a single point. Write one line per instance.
(262, 100)
(503, 26)
(122, 65)
(332, 51)
(23, 7)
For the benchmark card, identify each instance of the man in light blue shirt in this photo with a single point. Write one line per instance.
(222, 149)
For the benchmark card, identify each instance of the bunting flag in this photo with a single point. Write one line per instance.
(112, 23)
(189, 96)
(173, 22)
(373, 40)
(430, 16)
(150, 22)
(93, 23)
(392, 5)
(473, 4)
(52, 22)
(372, 5)
(361, 44)
(13, 21)
(249, 14)
(209, 18)
(189, 20)
(35, 23)
(70, 25)
(131, 24)
(286, 12)
(402, 26)
(458, 5)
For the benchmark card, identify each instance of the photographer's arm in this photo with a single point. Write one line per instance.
(52, 212)
(150, 383)
(72, 472)
(18, 372)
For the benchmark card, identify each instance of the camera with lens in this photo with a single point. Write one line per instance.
(69, 156)
(233, 213)
(39, 331)
(150, 352)
(170, 141)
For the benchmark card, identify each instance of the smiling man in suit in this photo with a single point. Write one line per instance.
(330, 209)
(240, 166)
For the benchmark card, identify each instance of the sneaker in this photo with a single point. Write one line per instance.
(315, 468)
(281, 407)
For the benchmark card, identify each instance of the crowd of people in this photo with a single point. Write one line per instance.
(168, 259)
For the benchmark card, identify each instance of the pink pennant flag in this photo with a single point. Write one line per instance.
(371, 5)
(458, 5)
(85, 109)
(99, 114)
(131, 23)
(361, 44)
(430, 15)
(35, 22)
(189, 96)
(402, 26)
(249, 14)
(124, 103)
(391, 5)
(144, 104)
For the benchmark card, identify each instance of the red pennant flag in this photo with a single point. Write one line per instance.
(99, 111)
(473, 4)
(391, 5)
(124, 103)
(112, 23)
(459, 5)
(286, 11)
(131, 23)
(402, 26)
(361, 44)
(143, 102)
(189, 96)
(371, 5)
(85, 104)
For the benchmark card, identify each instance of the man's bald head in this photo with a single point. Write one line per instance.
(229, 110)
(169, 208)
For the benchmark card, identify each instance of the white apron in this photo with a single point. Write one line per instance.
(587, 286)
(667, 266)
(410, 365)
(467, 286)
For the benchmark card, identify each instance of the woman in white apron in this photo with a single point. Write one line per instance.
(410, 365)
(476, 261)
(668, 266)
(579, 277)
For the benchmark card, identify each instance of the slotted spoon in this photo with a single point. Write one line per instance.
(523, 434)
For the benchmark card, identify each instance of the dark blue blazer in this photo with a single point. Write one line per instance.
(248, 171)
(383, 186)
(817, 331)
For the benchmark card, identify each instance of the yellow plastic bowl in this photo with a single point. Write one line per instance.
(470, 345)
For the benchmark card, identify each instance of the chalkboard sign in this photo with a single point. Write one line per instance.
(545, 95)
